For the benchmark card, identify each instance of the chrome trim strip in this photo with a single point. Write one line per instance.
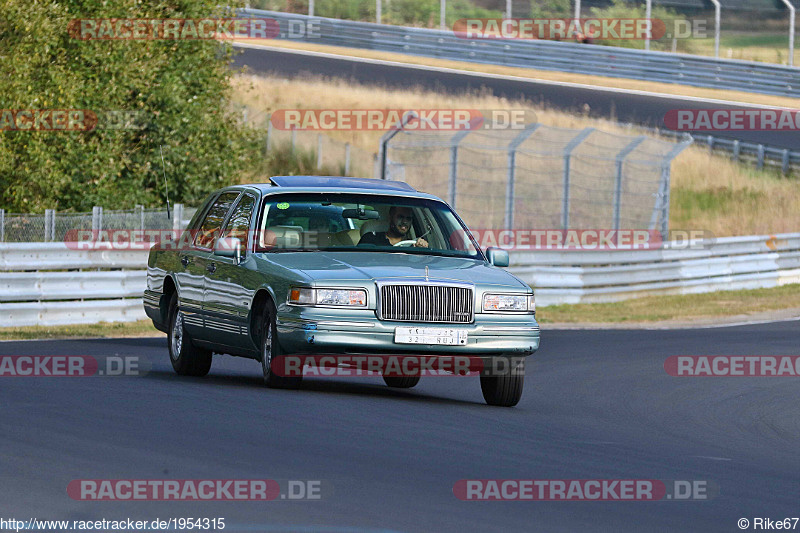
(511, 328)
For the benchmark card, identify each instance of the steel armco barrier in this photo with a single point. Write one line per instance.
(35, 289)
(666, 67)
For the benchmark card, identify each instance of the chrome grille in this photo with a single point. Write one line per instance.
(426, 303)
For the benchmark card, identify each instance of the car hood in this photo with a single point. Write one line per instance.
(343, 266)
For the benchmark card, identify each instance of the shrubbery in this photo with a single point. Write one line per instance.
(180, 88)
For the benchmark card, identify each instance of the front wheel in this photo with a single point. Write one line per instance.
(502, 385)
(271, 352)
(187, 359)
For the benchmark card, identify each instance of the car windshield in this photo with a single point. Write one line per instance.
(362, 223)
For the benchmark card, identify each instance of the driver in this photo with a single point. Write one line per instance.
(400, 219)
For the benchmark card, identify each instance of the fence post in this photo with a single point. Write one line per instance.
(620, 159)
(2, 225)
(97, 219)
(346, 159)
(717, 22)
(378, 11)
(140, 208)
(578, 139)
(508, 221)
(711, 140)
(791, 31)
(388, 136)
(319, 150)
(177, 217)
(442, 12)
(648, 14)
(760, 161)
(49, 226)
(663, 197)
(452, 190)
(310, 8)
(736, 150)
(785, 162)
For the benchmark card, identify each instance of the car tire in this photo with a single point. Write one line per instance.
(401, 382)
(270, 351)
(186, 358)
(503, 388)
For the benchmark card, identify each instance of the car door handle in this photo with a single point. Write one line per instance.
(212, 267)
(185, 260)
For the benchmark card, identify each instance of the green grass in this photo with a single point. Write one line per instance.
(676, 308)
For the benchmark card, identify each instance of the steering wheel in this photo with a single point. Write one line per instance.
(406, 244)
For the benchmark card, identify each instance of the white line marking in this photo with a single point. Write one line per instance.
(598, 88)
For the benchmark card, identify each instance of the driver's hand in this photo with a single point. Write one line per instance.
(421, 243)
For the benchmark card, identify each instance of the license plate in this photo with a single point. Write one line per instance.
(422, 335)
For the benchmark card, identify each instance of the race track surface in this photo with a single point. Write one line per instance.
(645, 109)
(597, 405)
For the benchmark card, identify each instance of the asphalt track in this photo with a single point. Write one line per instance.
(625, 106)
(597, 405)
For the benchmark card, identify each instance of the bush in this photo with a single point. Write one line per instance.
(180, 88)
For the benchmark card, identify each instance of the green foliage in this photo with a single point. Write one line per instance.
(551, 9)
(621, 9)
(180, 88)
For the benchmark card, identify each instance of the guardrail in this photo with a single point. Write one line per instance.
(36, 287)
(665, 67)
(760, 155)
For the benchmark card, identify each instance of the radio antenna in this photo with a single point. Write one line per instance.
(164, 171)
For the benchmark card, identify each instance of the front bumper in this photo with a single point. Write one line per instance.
(321, 331)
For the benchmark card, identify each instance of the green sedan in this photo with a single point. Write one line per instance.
(344, 270)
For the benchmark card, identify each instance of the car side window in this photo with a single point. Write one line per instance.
(238, 225)
(210, 228)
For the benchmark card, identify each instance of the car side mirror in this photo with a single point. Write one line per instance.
(497, 256)
(228, 247)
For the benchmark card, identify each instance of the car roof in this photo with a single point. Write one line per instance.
(337, 184)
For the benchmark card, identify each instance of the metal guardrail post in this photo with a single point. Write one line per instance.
(177, 217)
(453, 180)
(736, 150)
(378, 11)
(648, 14)
(620, 160)
(2, 225)
(571, 145)
(710, 142)
(512, 170)
(49, 225)
(760, 160)
(140, 208)
(97, 218)
(785, 163)
(310, 8)
(442, 12)
(346, 159)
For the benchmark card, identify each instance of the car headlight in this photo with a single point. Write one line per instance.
(513, 303)
(338, 297)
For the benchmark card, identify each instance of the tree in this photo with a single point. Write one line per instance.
(177, 90)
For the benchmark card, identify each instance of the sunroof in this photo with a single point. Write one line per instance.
(347, 183)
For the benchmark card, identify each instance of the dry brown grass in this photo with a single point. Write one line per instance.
(708, 192)
(548, 75)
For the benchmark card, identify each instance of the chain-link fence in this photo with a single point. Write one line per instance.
(53, 226)
(539, 177)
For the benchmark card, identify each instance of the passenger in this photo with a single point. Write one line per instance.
(400, 219)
